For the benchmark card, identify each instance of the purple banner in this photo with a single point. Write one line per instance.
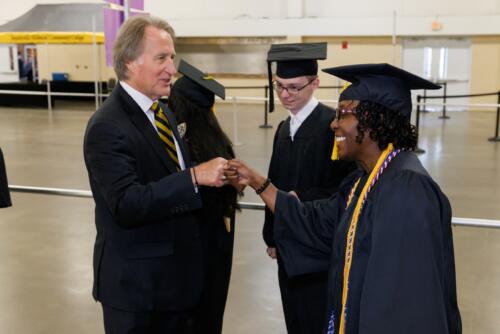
(113, 19)
(136, 4)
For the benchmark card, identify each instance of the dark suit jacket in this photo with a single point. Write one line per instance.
(147, 254)
(4, 185)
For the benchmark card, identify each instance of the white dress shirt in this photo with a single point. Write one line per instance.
(297, 119)
(145, 104)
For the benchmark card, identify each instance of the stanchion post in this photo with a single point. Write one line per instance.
(445, 88)
(496, 138)
(49, 97)
(424, 107)
(235, 123)
(266, 104)
(417, 125)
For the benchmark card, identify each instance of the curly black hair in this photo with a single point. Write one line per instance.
(385, 126)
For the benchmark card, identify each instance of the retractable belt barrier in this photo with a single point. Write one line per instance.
(421, 102)
(456, 221)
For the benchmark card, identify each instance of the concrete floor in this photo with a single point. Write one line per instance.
(46, 241)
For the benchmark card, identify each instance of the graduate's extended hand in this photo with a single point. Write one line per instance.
(232, 179)
(237, 170)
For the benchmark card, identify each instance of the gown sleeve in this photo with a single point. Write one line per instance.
(304, 231)
(409, 285)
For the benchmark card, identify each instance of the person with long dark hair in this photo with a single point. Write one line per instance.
(192, 101)
(386, 235)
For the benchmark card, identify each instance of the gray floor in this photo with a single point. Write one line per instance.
(46, 241)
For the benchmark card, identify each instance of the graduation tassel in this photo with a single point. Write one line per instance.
(227, 223)
(335, 151)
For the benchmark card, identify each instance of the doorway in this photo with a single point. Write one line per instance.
(440, 60)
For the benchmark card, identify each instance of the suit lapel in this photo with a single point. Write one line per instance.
(145, 128)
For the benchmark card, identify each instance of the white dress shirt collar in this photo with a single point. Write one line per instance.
(298, 118)
(145, 104)
(142, 100)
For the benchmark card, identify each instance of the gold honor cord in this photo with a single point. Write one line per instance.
(351, 234)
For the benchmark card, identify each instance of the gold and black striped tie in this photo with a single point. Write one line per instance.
(165, 132)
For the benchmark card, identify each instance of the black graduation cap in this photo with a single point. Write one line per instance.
(293, 60)
(381, 83)
(197, 87)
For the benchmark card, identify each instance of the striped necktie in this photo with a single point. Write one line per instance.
(165, 133)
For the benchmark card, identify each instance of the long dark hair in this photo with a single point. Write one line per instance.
(205, 140)
(385, 126)
(204, 135)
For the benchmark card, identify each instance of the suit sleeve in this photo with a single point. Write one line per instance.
(112, 168)
(410, 284)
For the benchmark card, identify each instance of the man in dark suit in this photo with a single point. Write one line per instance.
(148, 263)
(4, 185)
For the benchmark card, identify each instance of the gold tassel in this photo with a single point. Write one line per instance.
(344, 87)
(335, 151)
(227, 222)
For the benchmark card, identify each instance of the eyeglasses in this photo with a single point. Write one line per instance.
(341, 113)
(292, 90)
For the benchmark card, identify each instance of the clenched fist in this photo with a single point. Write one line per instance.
(211, 173)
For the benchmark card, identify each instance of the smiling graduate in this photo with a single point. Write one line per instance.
(386, 235)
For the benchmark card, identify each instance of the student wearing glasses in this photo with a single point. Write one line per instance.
(301, 163)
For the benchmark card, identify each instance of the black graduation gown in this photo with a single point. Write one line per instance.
(217, 255)
(4, 185)
(402, 277)
(305, 166)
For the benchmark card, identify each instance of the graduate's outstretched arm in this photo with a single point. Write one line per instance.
(237, 170)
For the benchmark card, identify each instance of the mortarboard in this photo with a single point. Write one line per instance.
(197, 87)
(384, 84)
(293, 60)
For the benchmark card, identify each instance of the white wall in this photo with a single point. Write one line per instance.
(217, 9)
(196, 18)
(320, 17)
(229, 9)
